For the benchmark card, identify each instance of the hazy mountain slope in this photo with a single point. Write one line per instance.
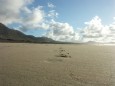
(11, 35)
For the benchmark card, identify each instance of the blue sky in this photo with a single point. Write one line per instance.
(76, 12)
(61, 19)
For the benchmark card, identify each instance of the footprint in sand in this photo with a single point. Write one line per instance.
(53, 60)
(86, 81)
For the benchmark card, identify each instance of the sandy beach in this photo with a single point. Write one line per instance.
(24, 64)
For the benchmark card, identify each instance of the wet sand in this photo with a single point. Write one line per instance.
(23, 64)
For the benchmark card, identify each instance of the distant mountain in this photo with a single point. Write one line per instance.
(98, 43)
(11, 35)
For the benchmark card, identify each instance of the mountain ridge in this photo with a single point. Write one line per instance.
(11, 35)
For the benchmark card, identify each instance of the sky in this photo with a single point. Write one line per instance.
(62, 20)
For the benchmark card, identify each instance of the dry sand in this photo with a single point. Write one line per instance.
(23, 64)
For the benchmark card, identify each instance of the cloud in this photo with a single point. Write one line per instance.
(93, 31)
(19, 11)
(33, 19)
(34, 16)
(114, 18)
(53, 14)
(50, 5)
(10, 10)
(62, 32)
(37, 18)
(97, 32)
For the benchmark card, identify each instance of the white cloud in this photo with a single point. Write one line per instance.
(114, 18)
(17, 11)
(62, 32)
(53, 14)
(26, 10)
(35, 16)
(93, 31)
(34, 19)
(10, 10)
(97, 32)
(50, 5)
(93, 28)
